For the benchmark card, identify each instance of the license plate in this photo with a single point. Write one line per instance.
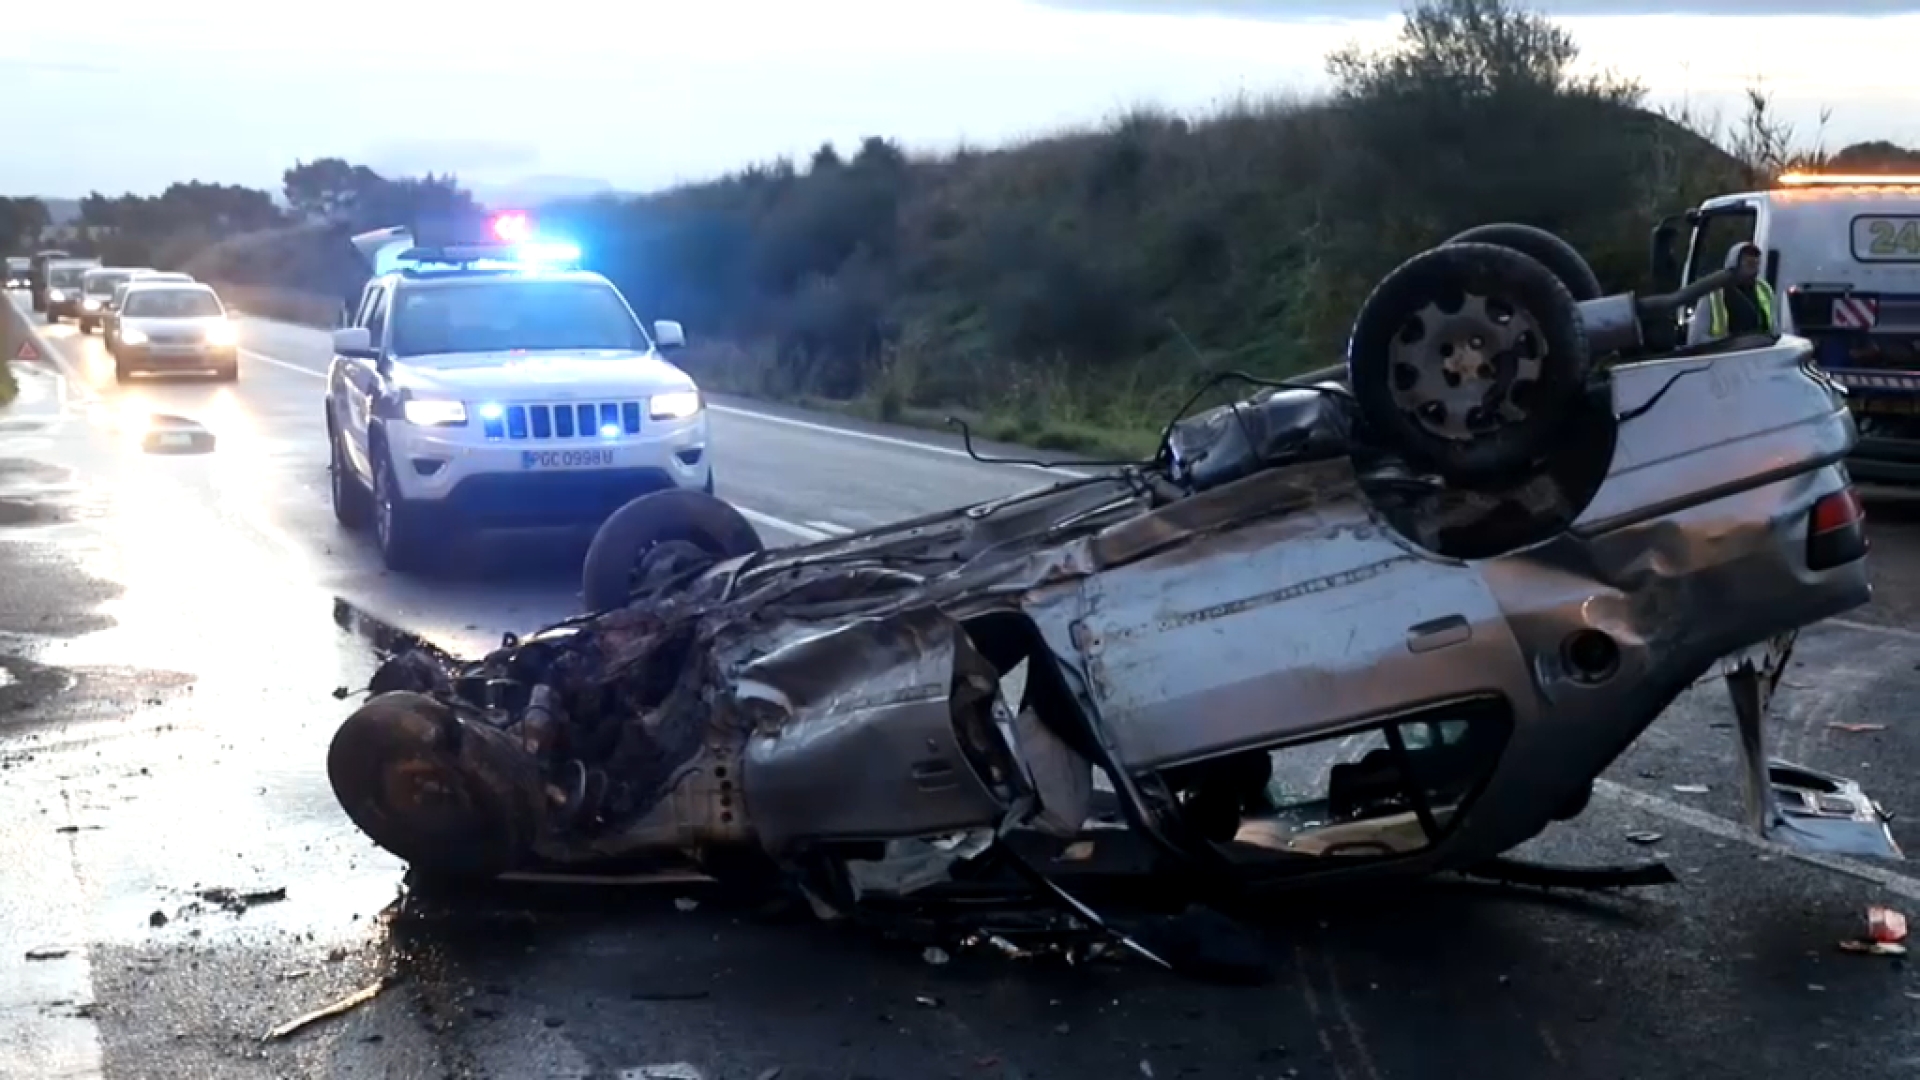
(175, 438)
(1887, 238)
(566, 459)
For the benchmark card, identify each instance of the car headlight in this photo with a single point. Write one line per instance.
(91, 304)
(222, 335)
(58, 296)
(132, 335)
(675, 406)
(431, 412)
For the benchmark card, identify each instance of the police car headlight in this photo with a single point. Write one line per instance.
(675, 406)
(427, 412)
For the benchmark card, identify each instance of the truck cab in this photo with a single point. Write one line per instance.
(1842, 253)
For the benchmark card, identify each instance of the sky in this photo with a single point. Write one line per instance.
(642, 94)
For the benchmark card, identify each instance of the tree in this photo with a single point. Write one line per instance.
(328, 189)
(1470, 49)
(21, 222)
(1875, 156)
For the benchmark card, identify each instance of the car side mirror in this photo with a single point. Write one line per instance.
(668, 334)
(353, 341)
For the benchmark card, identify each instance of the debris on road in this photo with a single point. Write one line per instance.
(1886, 934)
(1856, 728)
(238, 901)
(1690, 789)
(1644, 837)
(344, 1005)
(47, 954)
(157, 919)
(685, 903)
(935, 955)
(677, 1070)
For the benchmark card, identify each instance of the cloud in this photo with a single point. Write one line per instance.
(1296, 10)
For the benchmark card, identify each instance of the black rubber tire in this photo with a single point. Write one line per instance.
(1511, 453)
(121, 372)
(407, 544)
(86, 327)
(682, 514)
(352, 502)
(229, 373)
(1548, 250)
(450, 798)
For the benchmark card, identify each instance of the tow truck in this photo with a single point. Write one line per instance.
(1842, 252)
(492, 383)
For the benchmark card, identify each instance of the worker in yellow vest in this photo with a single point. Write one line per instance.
(1742, 309)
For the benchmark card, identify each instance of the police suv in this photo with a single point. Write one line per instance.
(496, 385)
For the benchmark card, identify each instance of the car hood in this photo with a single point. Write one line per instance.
(543, 376)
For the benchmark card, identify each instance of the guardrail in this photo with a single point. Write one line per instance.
(17, 343)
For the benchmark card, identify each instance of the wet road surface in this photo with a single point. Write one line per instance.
(166, 700)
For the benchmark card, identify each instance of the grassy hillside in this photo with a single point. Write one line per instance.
(1069, 291)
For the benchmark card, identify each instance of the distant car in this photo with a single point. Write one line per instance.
(174, 326)
(37, 265)
(96, 291)
(19, 271)
(63, 287)
(110, 312)
(492, 385)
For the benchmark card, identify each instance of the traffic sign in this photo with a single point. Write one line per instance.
(26, 351)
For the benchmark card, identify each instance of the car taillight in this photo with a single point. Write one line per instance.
(1836, 530)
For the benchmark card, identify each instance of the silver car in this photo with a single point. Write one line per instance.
(174, 326)
(1326, 633)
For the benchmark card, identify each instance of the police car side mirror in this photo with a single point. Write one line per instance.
(353, 341)
(668, 334)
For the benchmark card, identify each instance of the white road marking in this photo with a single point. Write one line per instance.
(1897, 883)
(1875, 628)
(888, 440)
(806, 425)
(811, 536)
(276, 362)
(831, 529)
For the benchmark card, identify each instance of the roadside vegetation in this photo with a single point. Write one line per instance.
(1067, 292)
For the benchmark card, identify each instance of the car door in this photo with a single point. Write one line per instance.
(360, 380)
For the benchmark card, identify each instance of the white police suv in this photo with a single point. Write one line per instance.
(495, 385)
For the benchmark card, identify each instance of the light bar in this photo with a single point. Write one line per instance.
(1796, 179)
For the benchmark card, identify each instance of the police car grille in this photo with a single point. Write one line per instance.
(569, 420)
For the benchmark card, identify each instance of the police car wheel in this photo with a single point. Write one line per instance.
(1468, 360)
(403, 532)
(352, 503)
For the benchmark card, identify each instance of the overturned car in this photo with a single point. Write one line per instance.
(1393, 627)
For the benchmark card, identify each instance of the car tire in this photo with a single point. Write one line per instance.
(403, 532)
(86, 326)
(1390, 370)
(121, 372)
(228, 373)
(352, 502)
(625, 538)
(1548, 250)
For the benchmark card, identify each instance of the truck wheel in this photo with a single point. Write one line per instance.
(1467, 360)
(1548, 250)
(405, 533)
(620, 548)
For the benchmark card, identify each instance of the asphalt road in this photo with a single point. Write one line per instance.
(165, 701)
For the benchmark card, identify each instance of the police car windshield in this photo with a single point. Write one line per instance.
(511, 314)
(171, 304)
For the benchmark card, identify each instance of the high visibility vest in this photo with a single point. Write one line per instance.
(1717, 308)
